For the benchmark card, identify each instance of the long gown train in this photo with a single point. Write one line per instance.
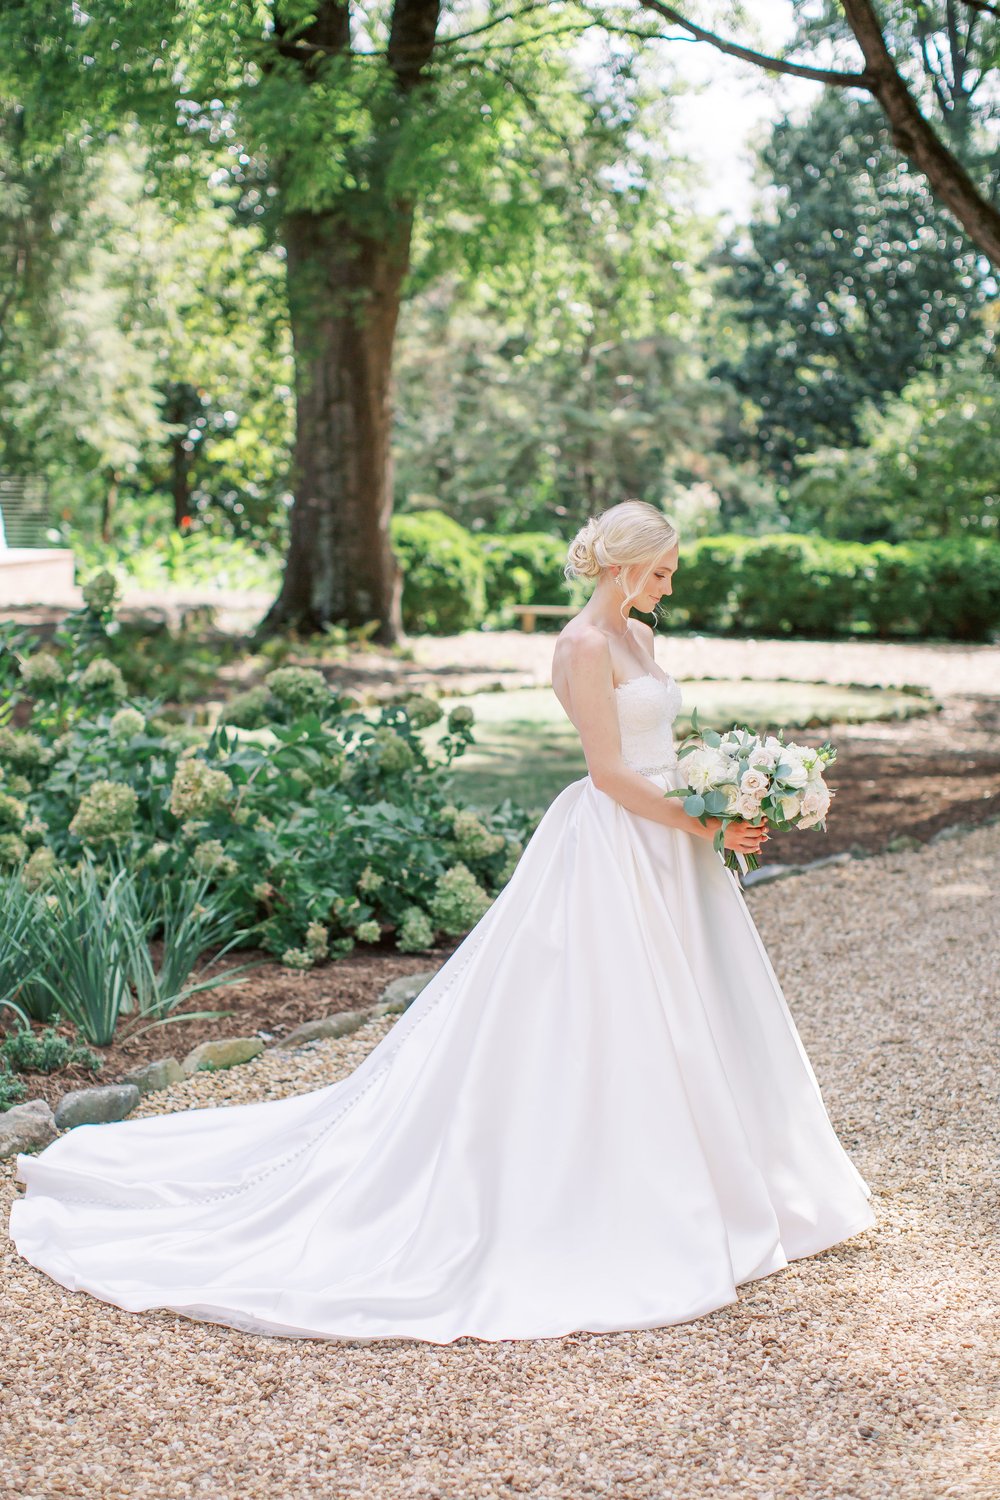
(599, 1115)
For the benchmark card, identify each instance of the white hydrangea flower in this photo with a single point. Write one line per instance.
(126, 723)
(198, 789)
(103, 675)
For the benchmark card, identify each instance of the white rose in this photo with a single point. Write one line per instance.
(739, 741)
(790, 808)
(763, 758)
(795, 774)
(755, 782)
(747, 805)
(815, 804)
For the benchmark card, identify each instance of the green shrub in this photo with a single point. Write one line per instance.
(799, 585)
(46, 1051)
(898, 599)
(524, 568)
(12, 1090)
(444, 576)
(706, 585)
(963, 586)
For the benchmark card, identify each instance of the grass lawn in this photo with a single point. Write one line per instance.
(527, 749)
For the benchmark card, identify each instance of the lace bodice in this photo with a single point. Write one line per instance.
(647, 709)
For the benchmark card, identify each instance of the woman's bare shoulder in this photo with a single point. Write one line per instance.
(580, 645)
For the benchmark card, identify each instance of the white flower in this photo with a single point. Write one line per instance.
(815, 765)
(815, 804)
(755, 782)
(790, 808)
(795, 774)
(126, 723)
(707, 768)
(747, 804)
(738, 741)
(763, 758)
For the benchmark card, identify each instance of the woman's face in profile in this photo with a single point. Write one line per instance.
(659, 583)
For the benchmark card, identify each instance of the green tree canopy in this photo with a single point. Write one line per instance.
(850, 280)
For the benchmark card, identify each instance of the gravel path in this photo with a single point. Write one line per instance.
(869, 1371)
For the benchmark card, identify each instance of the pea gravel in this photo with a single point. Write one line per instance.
(869, 1371)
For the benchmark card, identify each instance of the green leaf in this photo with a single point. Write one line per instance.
(715, 803)
(712, 739)
(694, 805)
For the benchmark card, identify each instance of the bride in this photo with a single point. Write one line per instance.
(597, 1116)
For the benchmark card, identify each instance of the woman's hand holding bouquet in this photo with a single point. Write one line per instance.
(740, 776)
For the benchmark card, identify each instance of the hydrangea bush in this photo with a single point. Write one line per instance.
(319, 825)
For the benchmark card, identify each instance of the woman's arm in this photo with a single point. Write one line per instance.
(587, 662)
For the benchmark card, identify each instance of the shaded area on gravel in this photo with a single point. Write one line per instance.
(869, 1371)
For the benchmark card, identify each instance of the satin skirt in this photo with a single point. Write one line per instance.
(599, 1115)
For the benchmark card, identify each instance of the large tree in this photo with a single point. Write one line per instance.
(332, 121)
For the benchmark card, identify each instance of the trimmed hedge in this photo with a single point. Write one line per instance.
(444, 576)
(524, 568)
(800, 585)
(772, 585)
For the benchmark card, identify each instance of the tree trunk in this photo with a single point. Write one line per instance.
(180, 488)
(344, 295)
(109, 503)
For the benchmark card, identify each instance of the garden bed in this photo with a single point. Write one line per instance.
(270, 1001)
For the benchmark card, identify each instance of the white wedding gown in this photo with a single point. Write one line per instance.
(598, 1115)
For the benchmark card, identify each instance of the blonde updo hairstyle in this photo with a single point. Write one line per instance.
(632, 536)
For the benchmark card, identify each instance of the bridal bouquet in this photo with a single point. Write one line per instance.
(740, 774)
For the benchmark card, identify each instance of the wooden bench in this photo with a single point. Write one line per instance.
(529, 613)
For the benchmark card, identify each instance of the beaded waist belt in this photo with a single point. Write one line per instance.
(667, 765)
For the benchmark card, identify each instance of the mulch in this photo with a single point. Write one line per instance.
(269, 1001)
(910, 778)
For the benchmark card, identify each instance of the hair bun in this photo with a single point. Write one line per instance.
(582, 559)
